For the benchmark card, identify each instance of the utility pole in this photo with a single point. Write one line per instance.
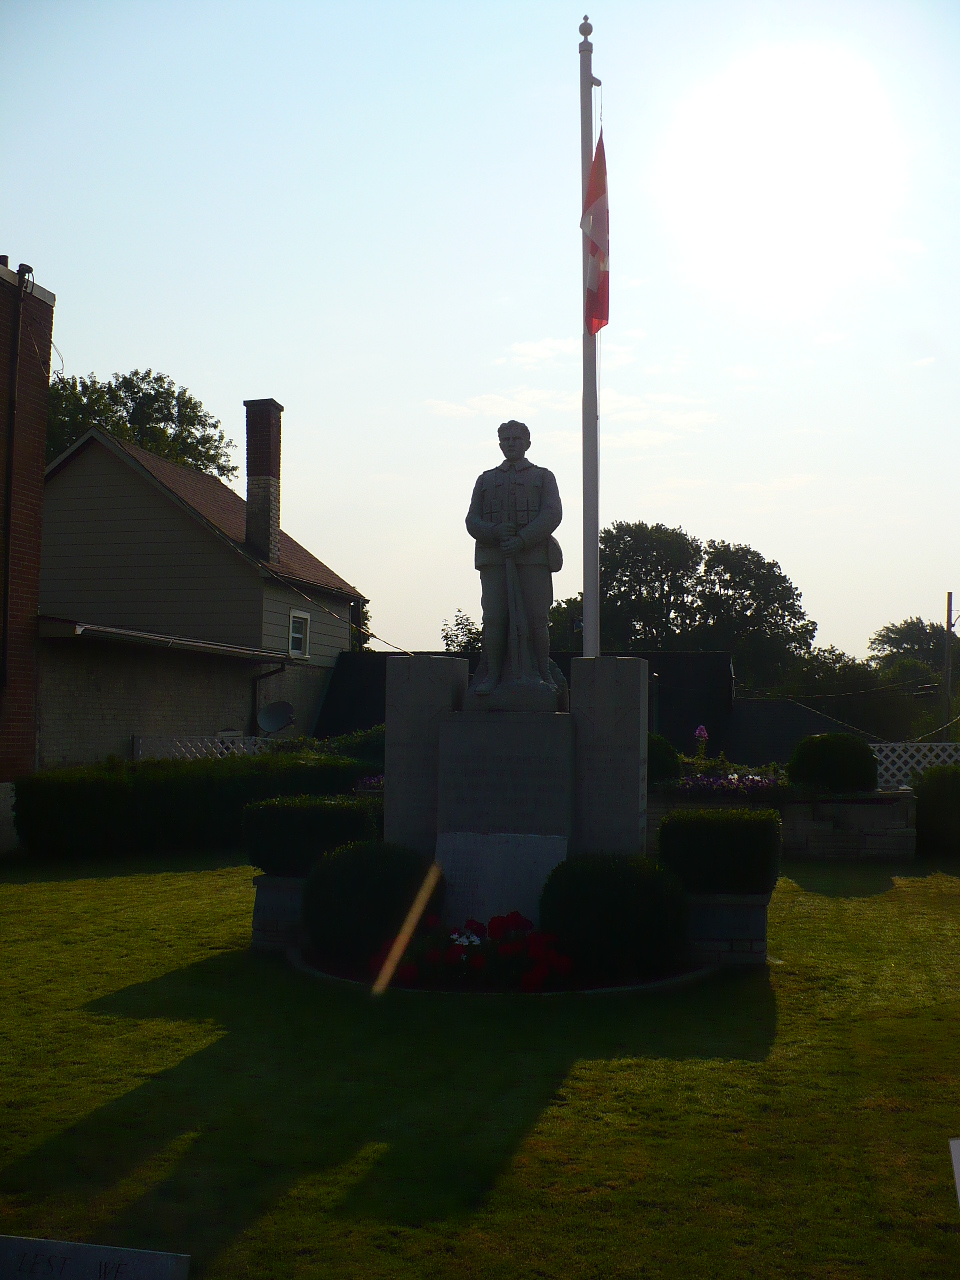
(591, 444)
(947, 664)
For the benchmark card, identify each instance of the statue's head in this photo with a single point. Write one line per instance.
(514, 440)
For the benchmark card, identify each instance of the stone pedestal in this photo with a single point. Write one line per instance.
(421, 690)
(608, 703)
(276, 913)
(728, 928)
(505, 809)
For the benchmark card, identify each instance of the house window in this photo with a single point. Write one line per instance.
(299, 634)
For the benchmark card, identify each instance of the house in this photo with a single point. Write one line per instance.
(172, 610)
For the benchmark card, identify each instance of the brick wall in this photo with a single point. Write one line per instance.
(18, 723)
(94, 696)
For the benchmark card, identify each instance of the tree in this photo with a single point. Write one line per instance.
(649, 581)
(359, 628)
(913, 638)
(142, 408)
(462, 636)
(747, 604)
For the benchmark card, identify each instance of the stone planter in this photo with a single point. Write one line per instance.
(728, 928)
(878, 825)
(276, 913)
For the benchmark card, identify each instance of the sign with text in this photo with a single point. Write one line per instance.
(24, 1259)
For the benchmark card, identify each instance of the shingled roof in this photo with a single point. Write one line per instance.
(217, 503)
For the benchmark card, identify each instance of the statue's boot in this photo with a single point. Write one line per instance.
(486, 685)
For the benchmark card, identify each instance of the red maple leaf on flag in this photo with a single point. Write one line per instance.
(595, 225)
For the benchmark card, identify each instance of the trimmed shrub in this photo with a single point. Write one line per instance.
(938, 810)
(130, 809)
(722, 850)
(356, 898)
(363, 744)
(663, 760)
(833, 762)
(285, 836)
(620, 919)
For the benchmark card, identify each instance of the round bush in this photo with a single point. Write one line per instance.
(938, 810)
(285, 836)
(833, 762)
(663, 759)
(620, 919)
(356, 898)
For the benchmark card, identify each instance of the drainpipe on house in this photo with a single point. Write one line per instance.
(23, 273)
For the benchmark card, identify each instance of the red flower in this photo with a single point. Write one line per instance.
(516, 923)
(476, 928)
(433, 956)
(497, 928)
(534, 978)
(407, 972)
(477, 960)
(506, 949)
(432, 921)
(455, 953)
(561, 964)
(538, 945)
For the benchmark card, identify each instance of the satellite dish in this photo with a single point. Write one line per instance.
(275, 717)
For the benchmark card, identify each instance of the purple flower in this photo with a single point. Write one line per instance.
(701, 735)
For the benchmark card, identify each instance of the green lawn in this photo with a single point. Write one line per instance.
(162, 1088)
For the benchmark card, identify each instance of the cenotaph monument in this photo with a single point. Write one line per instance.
(502, 777)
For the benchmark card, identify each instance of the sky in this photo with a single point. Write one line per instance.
(370, 212)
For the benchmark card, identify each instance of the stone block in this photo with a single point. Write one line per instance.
(421, 690)
(22, 1256)
(608, 702)
(493, 874)
(728, 928)
(277, 922)
(510, 772)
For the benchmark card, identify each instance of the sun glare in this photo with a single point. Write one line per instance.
(781, 178)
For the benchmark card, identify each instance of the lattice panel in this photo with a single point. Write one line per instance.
(898, 761)
(197, 748)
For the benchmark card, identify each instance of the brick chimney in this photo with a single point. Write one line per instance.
(263, 479)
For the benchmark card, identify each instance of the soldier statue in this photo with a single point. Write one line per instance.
(513, 512)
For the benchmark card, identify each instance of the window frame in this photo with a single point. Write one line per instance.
(303, 616)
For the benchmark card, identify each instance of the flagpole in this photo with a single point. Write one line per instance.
(591, 452)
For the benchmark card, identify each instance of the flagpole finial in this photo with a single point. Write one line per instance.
(585, 28)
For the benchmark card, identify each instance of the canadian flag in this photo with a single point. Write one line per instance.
(595, 225)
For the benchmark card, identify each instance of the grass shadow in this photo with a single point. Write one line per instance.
(305, 1076)
(835, 879)
(20, 867)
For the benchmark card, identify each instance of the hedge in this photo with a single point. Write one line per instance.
(938, 810)
(356, 898)
(722, 850)
(285, 836)
(663, 760)
(130, 809)
(619, 918)
(833, 762)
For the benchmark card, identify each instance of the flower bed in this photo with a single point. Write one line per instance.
(506, 954)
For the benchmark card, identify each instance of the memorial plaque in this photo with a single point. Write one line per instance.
(506, 772)
(491, 875)
(22, 1257)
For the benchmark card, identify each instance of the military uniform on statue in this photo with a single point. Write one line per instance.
(513, 512)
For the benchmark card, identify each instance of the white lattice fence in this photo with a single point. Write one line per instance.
(196, 748)
(898, 761)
